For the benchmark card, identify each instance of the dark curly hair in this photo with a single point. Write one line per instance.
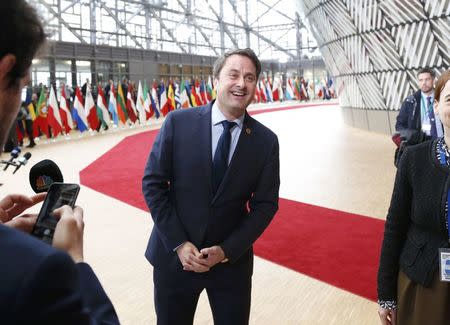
(427, 70)
(22, 36)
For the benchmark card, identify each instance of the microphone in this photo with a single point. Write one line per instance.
(14, 154)
(22, 161)
(43, 174)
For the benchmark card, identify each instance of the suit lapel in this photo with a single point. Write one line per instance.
(204, 143)
(243, 149)
(417, 115)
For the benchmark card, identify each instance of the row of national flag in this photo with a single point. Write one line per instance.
(53, 117)
(184, 94)
(268, 90)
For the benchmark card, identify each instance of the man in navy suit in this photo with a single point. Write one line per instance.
(39, 284)
(416, 113)
(211, 184)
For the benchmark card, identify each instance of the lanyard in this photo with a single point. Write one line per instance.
(423, 109)
(427, 108)
(443, 160)
(442, 156)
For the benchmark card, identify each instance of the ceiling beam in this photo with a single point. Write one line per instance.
(62, 21)
(224, 24)
(279, 12)
(70, 6)
(121, 25)
(169, 32)
(126, 22)
(251, 30)
(265, 12)
(191, 19)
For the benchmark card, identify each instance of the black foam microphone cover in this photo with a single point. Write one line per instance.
(24, 159)
(44, 174)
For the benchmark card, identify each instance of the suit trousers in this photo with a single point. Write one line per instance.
(176, 294)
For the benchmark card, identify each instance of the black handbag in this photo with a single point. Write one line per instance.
(413, 137)
(407, 137)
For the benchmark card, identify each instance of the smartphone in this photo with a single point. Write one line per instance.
(58, 194)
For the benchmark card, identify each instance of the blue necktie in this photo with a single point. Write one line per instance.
(433, 131)
(220, 161)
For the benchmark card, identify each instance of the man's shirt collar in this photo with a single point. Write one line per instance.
(217, 116)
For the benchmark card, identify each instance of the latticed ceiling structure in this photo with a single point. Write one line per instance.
(374, 48)
(273, 28)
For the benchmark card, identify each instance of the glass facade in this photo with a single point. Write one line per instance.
(374, 49)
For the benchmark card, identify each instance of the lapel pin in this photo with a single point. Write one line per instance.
(248, 131)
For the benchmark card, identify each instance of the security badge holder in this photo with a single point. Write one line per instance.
(444, 264)
(426, 128)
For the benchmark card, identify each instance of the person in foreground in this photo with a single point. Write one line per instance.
(414, 271)
(211, 184)
(39, 284)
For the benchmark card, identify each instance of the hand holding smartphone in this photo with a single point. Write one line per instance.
(59, 194)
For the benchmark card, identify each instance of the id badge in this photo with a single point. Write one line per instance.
(426, 128)
(444, 264)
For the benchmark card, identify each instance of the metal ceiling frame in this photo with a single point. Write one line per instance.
(62, 21)
(119, 23)
(167, 17)
(265, 39)
(193, 21)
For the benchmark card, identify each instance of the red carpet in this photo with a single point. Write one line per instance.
(118, 173)
(339, 248)
(333, 246)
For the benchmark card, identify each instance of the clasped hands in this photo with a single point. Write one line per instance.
(199, 261)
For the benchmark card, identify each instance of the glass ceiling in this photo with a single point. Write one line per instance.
(273, 28)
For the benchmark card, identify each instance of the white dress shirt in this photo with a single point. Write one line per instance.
(216, 130)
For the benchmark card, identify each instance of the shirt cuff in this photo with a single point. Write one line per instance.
(175, 249)
(388, 304)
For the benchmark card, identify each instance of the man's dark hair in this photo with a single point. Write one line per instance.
(427, 70)
(220, 62)
(22, 36)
